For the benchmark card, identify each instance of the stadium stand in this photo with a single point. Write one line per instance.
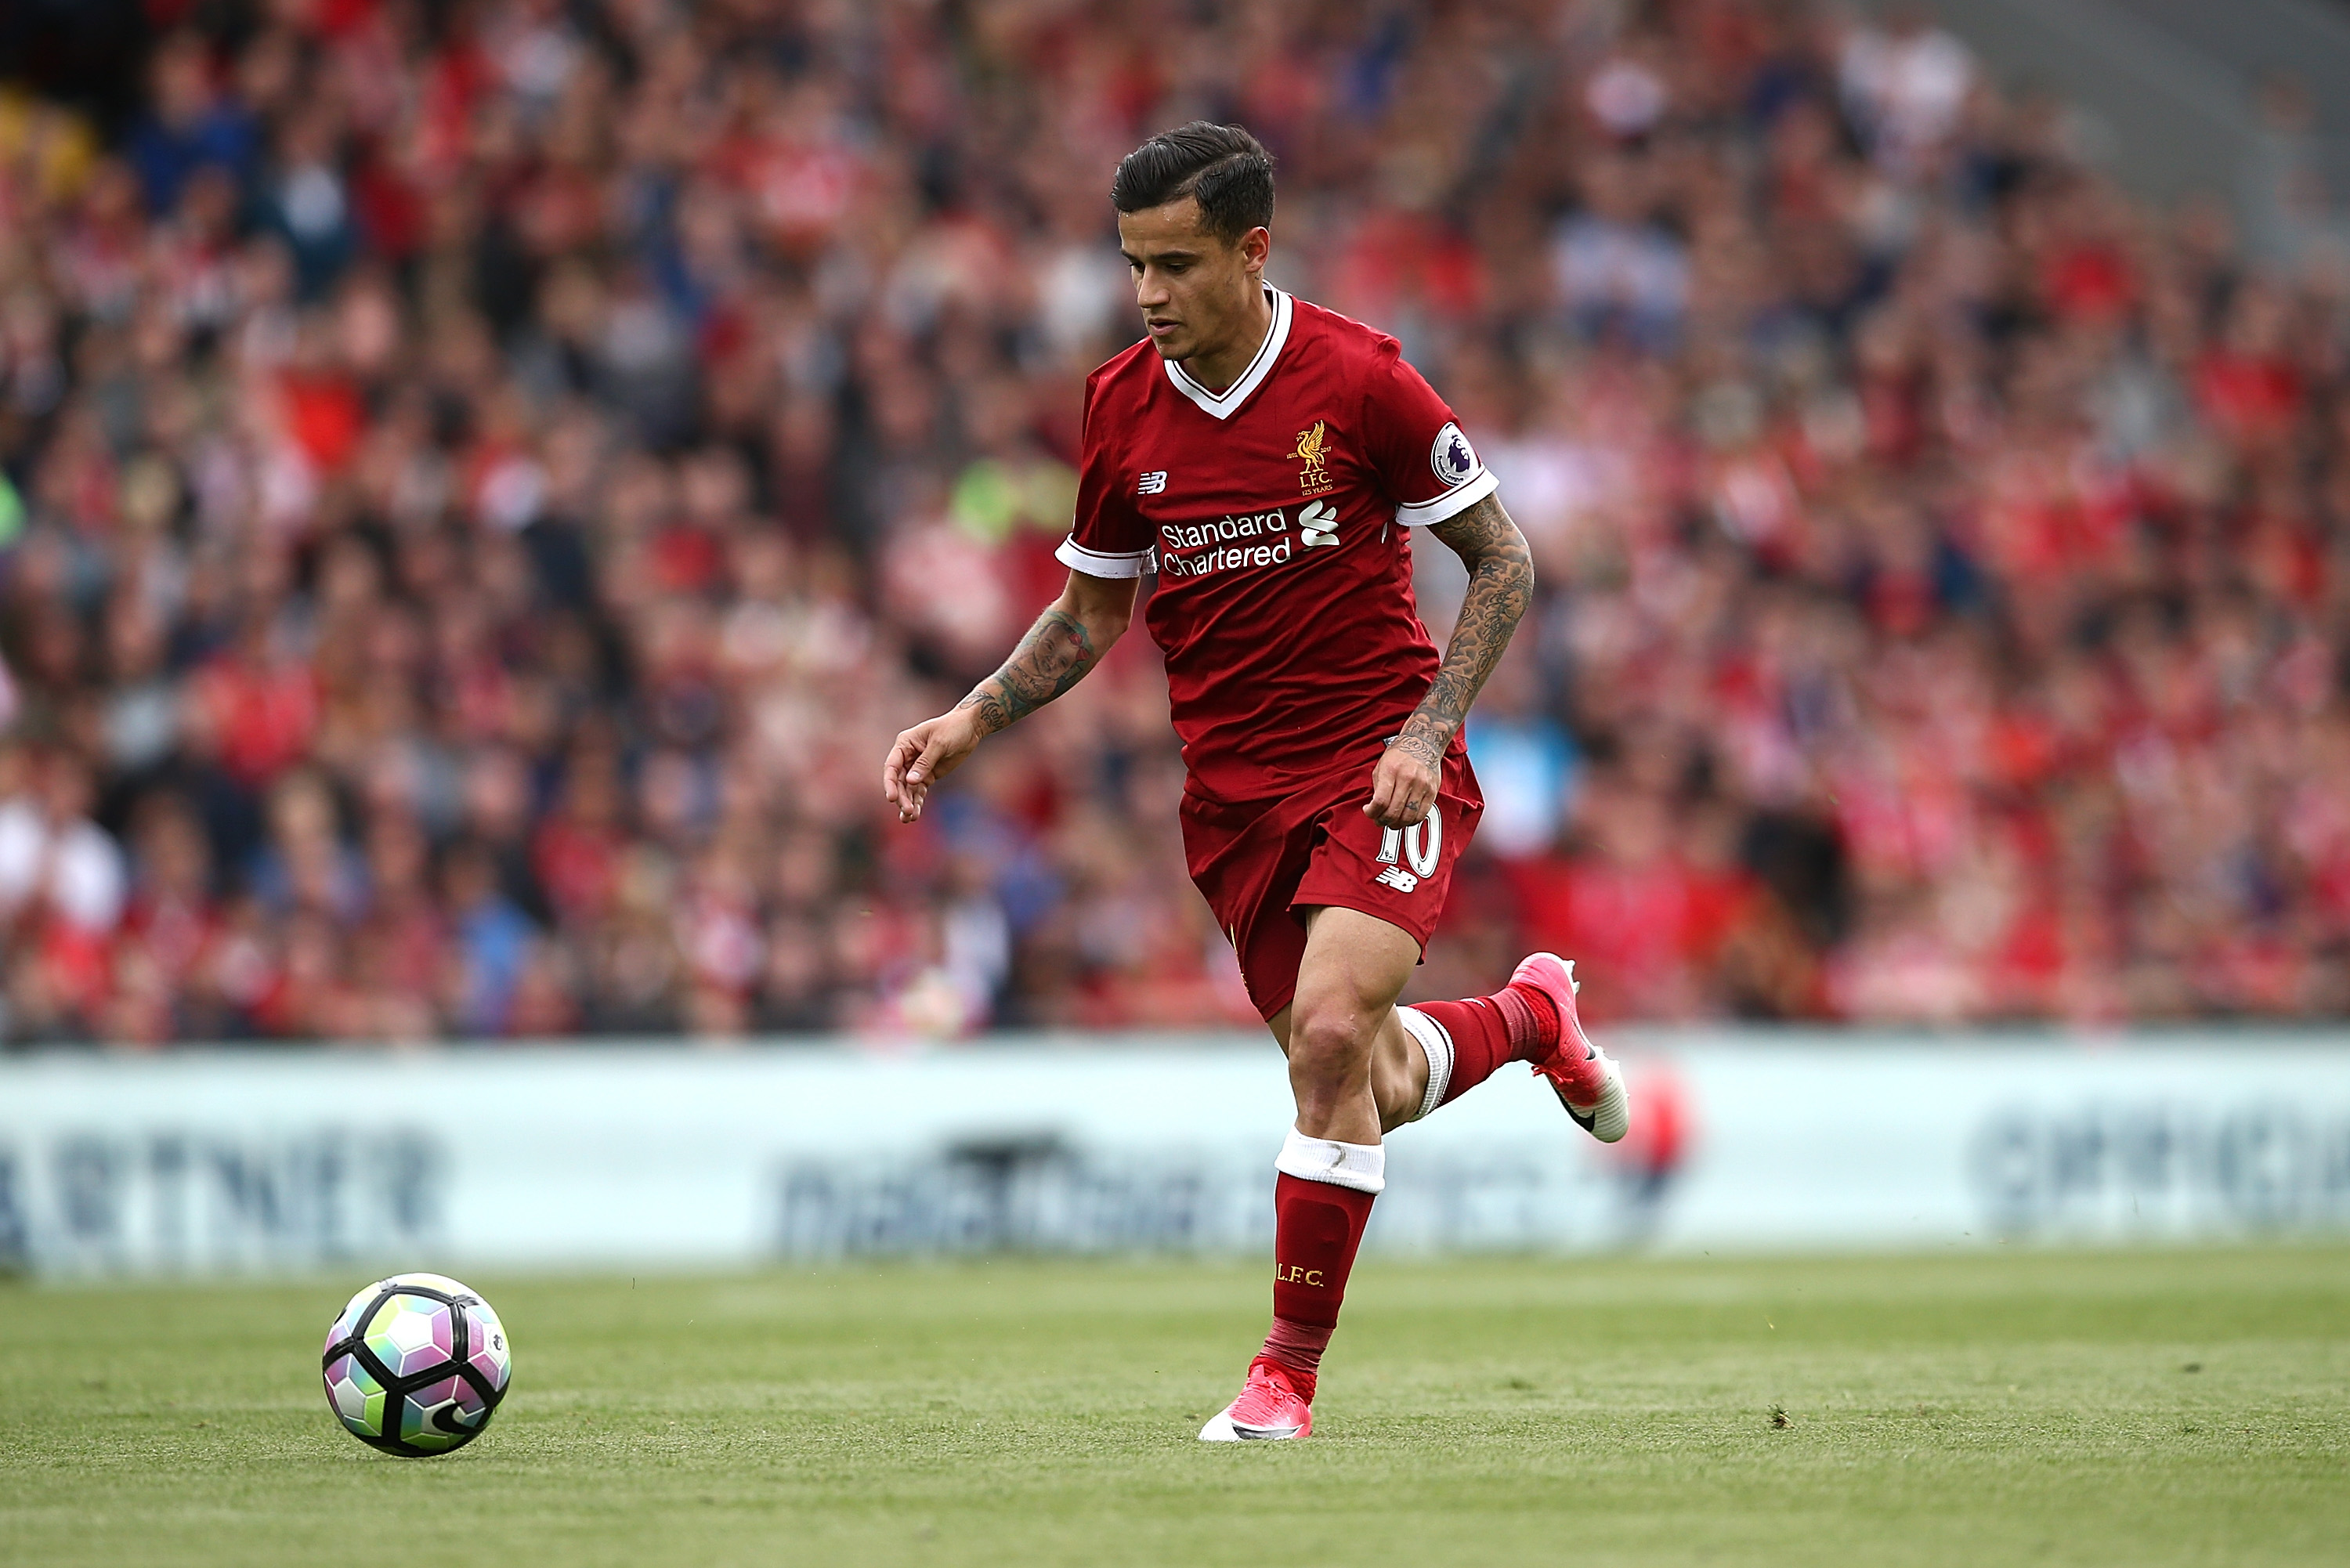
(480, 484)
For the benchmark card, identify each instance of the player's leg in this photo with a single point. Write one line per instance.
(1343, 1034)
(1444, 1049)
(1332, 1164)
(1432, 1053)
(1400, 1066)
(1531, 1020)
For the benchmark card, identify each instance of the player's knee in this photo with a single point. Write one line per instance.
(1329, 1039)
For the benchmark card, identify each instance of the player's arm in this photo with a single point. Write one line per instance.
(1501, 586)
(1069, 639)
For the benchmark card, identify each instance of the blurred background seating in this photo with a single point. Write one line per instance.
(481, 484)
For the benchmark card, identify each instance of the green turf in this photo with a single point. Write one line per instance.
(2146, 1407)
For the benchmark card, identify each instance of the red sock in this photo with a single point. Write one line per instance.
(1516, 1023)
(1316, 1227)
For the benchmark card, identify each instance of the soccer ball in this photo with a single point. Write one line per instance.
(416, 1365)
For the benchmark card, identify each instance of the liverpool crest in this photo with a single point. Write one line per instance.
(1313, 451)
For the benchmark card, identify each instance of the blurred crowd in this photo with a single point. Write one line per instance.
(481, 482)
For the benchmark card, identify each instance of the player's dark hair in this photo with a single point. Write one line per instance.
(1222, 167)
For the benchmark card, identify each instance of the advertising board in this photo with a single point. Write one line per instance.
(585, 1157)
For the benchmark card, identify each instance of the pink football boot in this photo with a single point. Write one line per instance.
(1276, 1403)
(1587, 1079)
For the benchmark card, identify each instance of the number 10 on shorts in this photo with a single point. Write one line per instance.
(1417, 846)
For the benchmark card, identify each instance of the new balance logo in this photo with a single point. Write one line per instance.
(1395, 876)
(1151, 483)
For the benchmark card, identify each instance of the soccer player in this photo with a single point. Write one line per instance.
(1269, 460)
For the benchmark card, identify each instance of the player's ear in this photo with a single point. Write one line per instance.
(1256, 248)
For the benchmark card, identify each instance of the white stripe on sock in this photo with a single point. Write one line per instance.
(1436, 1046)
(1361, 1165)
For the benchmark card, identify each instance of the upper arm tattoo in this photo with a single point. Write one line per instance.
(1501, 586)
(1483, 531)
(1052, 657)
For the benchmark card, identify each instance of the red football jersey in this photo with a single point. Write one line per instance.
(1277, 514)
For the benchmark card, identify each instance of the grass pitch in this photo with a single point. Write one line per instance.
(2137, 1407)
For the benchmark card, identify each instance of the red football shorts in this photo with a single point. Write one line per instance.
(1262, 865)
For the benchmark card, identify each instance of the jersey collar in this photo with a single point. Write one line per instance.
(1223, 405)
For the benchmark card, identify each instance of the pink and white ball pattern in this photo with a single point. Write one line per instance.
(392, 1370)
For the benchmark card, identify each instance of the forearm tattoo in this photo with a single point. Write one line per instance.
(1052, 657)
(1501, 586)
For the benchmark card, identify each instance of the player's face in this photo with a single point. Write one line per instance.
(1196, 290)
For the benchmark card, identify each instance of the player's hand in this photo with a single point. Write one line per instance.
(1403, 786)
(924, 755)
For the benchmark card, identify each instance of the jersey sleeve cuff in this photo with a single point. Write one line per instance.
(1101, 564)
(1457, 500)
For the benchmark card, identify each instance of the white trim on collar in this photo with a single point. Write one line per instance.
(1223, 405)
